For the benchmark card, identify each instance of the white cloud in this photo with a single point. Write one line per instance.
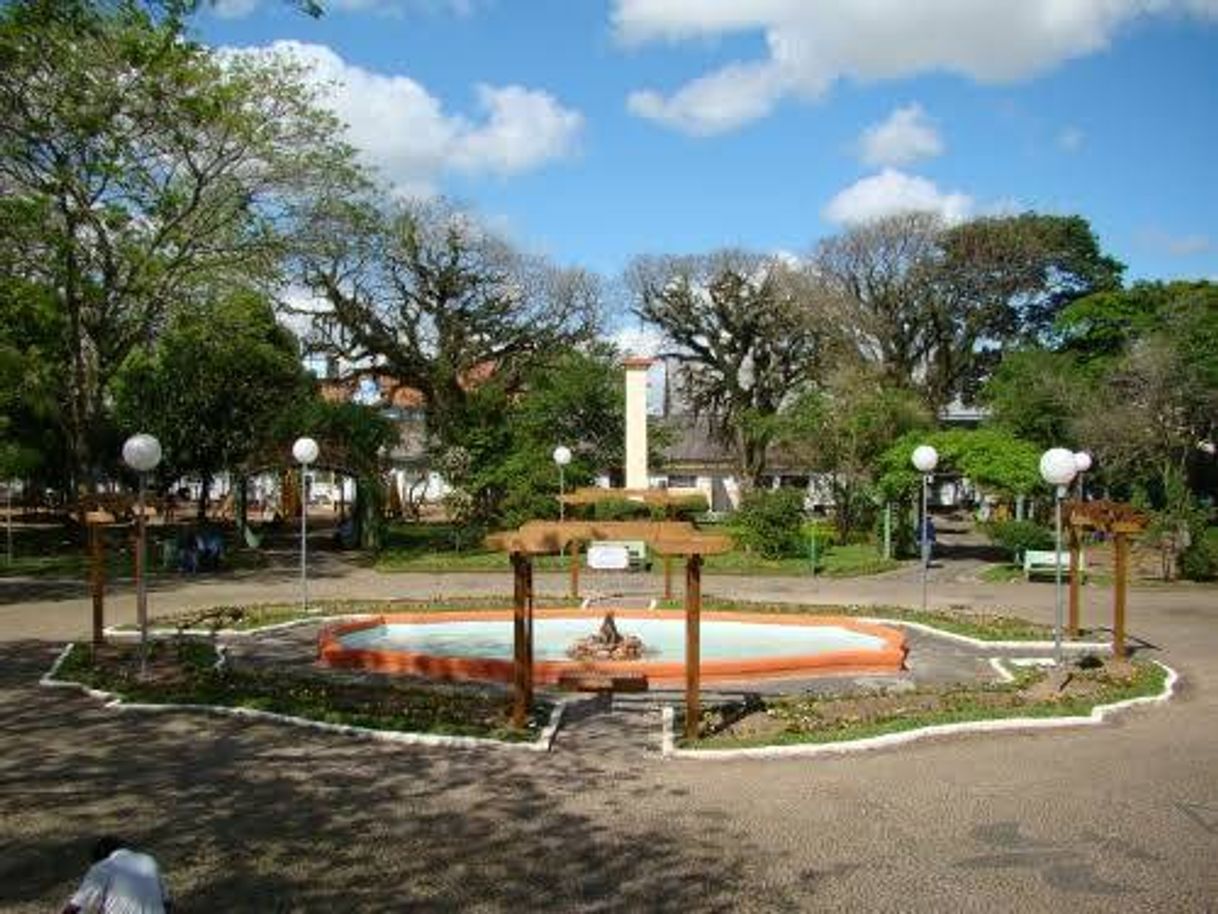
(813, 43)
(903, 137)
(402, 129)
(1070, 139)
(891, 192)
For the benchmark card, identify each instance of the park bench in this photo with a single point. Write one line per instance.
(636, 552)
(1044, 562)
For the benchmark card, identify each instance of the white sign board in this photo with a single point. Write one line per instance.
(608, 556)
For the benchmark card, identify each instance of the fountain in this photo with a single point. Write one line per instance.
(607, 644)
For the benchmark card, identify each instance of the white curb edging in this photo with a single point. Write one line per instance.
(979, 642)
(1097, 716)
(543, 743)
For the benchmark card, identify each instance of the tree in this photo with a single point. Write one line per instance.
(990, 458)
(503, 461)
(934, 306)
(746, 336)
(426, 296)
(31, 384)
(842, 430)
(1036, 394)
(212, 386)
(140, 171)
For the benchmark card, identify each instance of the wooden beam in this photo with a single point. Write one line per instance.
(693, 645)
(1072, 625)
(1120, 548)
(668, 577)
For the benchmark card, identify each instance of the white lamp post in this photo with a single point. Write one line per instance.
(925, 459)
(562, 456)
(142, 453)
(305, 451)
(1058, 468)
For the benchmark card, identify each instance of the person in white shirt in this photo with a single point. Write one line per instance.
(120, 881)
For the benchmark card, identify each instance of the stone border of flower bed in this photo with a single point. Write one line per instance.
(982, 642)
(1098, 715)
(111, 700)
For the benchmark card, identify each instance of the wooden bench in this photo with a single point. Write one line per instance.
(636, 551)
(1044, 562)
(592, 681)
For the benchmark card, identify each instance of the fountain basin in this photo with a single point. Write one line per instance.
(477, 645)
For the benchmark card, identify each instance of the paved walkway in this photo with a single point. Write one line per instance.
(258, 817)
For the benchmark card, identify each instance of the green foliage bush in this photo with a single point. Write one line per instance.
(770, 523)
(1018, 536)
(1199, 562)
(688, 507)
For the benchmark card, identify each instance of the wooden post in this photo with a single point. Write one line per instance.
(1072, 625)
(693, 645)
(97, 582)
(574, 569)
(668, 577)
(1120, 547)
(520, 705)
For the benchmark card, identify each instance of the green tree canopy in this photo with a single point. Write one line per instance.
(991, 458)
(212, 385)
(139, 171)
(746, 336)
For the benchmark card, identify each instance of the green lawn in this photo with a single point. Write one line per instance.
(51, 554)
(182, 672)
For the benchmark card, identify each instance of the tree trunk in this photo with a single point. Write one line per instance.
(204, 489)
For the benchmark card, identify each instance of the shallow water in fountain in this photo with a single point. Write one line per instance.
(664, 639)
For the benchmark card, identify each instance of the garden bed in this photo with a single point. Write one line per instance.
(184, 672)
(1034, 693)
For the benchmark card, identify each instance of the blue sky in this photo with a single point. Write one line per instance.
(596, 131)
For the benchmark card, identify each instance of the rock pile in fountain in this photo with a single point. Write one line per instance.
(607, 644)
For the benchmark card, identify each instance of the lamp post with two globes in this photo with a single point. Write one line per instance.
(142, 453)
(562, 456)
(1058, 468)
(925, 459)
(305, 451)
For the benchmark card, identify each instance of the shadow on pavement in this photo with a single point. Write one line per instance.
(254, 817)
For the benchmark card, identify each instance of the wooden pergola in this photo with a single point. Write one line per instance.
(666, 538)
(1120, 521)
(653, 498)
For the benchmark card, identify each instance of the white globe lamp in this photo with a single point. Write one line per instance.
(1082, 461)
(562, 456)
(142, 453)
(305, 451)
(1058, 467)
(925, 458)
